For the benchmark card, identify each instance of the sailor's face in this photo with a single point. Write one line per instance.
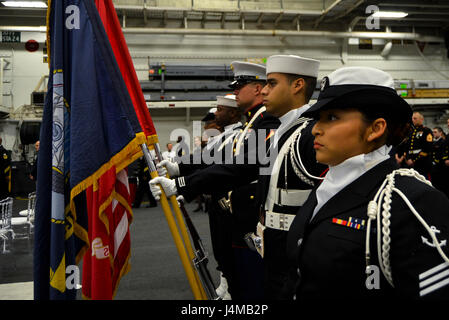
(339, 135)
(223, 115)
(277, 96)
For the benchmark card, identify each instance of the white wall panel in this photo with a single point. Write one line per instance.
(404, 62)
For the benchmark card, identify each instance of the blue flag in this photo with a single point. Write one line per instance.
(89, 126)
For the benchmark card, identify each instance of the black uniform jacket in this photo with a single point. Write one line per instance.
(419, 146)
(330, 257)
(276, 239)
(224, 177)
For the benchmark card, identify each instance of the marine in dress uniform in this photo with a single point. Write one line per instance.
(439, 155)
(419, 146)
(356, 237)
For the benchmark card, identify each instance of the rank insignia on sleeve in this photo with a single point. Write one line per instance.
(353, 223)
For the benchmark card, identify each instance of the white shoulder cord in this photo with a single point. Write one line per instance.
(247, 127)
(373, 212)
(295, 157)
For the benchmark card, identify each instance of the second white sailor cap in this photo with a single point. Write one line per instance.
(293, 64)
(245, 72)
(227, 101)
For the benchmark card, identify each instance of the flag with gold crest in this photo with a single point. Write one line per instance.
(89, 135)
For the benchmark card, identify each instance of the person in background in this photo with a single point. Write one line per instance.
(419, 146)
(197, 148)
(33, 171)
(5, 171)
(169, 154)
(142, 185)
(438, 157)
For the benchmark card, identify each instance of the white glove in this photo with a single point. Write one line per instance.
(167, 166)
(180, 200)
(169, 186)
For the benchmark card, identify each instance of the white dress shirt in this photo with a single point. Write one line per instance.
(343, 174)
(286, 120)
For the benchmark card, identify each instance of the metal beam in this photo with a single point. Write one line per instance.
(278, 19)
(295, 23)
(325, 12)
(223, 19)
(348, 11)
(260, 19)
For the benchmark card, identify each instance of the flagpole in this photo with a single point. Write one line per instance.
(181, 223)
(188, 268)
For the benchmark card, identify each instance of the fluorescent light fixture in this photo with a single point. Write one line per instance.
(390, 14)
(25, 4)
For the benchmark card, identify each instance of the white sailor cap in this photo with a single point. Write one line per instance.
(210, 115)
(293, 64)
(227, 101)
(245, 72)
(361, 88)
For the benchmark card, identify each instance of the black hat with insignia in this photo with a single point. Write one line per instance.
(363, 88)
(246, 72)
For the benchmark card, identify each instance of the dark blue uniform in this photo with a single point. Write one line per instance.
(244, 273)
(328, 253)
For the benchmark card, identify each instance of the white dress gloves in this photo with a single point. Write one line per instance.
(167, 166)
(168, 185)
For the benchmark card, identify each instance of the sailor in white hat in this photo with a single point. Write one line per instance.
(287, 183)
(333, 237)
(227, 116)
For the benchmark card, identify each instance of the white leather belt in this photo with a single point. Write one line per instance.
(278, 221)
(415, 151)
(284, 197)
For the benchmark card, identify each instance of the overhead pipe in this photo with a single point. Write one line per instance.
(139, 8)
(247, 32)
(285, 33)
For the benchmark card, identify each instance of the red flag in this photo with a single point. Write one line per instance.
(107, 259)
(109, 200)
(117, 40)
